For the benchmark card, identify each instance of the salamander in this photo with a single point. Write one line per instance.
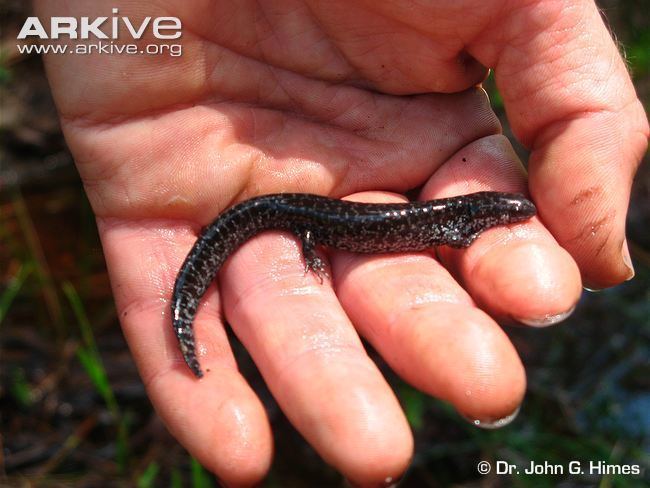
(317, 220)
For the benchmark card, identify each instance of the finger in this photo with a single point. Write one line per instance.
(516, 272)
(569, 97)
(218, 418)
(313, 361)
(429, 331)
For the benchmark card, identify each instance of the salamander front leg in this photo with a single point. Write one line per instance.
(462, 241)
(313, 261)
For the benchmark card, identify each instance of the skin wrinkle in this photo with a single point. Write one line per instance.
(337, 51)
(421, 300)
(278, 74)
(508, 41)
(591, 99)
(331, 46)
(152, 376)
(81, 121)
(550, 86)
(320, 340)
(316, 118)
(343, 353)
(408, 25)
(540, 14)
(589, 108)
(370, 264)
(363, 131)
(344, 114)
(454, 55)
(348, 166)
(110, 119)
(416, 294)
(93, 156)
(99, 176)
(288, 278)
(308, 291)
(294, 105)
(483, 381)
(249, 193)
(291, 39)
(275, 72)
(316, 323)
(135, 306)
(376, 46)
(540, 141)
(260, 40)
(417, 301)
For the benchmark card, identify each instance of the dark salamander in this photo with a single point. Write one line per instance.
(317, 220)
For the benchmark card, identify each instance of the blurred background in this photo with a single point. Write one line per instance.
(73, 411)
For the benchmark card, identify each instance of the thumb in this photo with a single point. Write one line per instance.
(569, 98)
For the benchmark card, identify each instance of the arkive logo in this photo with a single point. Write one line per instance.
(163, 28)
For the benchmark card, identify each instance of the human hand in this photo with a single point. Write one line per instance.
(272, 98)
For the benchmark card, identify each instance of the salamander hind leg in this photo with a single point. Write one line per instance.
(313, 262)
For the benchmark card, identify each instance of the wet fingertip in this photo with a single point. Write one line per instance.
(546, 320)
(388, 482)
(491, 424)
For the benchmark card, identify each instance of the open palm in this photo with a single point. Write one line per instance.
(338, 98)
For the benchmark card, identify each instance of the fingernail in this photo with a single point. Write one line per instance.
(491, 424)
(627, 260)
(592, 290)
(547, 320)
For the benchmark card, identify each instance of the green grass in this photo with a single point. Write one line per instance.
(148, 478)
(414, 404)
(5, 71)
(15, 284)
(637, 53)
(200, 477)
(90, 359)
(20, 388)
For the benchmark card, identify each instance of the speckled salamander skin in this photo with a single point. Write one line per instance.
(350, 226)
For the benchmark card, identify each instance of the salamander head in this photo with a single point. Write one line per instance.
(484, 210)
(500, 208)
